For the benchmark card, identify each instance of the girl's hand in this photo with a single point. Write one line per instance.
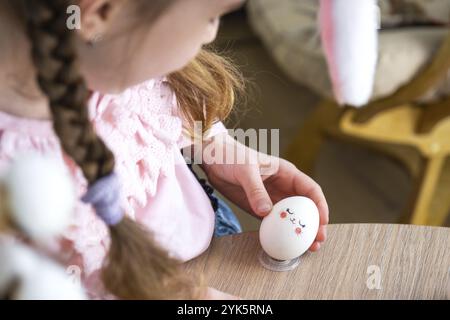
(260, 181)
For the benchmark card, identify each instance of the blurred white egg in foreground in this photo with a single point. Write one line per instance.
(290, 228)
(41, 195)
(31, 276)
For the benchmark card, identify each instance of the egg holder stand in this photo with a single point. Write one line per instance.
(272, 264)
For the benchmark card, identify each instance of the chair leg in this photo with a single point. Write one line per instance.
(305, 148)
(427, 183)
(440, 206)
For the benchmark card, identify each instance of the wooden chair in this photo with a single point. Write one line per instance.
(416, 134)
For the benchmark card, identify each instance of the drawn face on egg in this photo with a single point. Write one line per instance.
(290, 228)
(289, 216)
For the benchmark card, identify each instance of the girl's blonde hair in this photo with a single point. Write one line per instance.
(206, 89)
(136, 267)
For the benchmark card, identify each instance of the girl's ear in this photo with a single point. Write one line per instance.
(97, 16)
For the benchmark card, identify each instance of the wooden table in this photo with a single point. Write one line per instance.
(358, 261)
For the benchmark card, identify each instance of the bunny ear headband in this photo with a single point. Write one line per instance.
(349, 30)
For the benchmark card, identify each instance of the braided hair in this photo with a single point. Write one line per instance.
(135, 268)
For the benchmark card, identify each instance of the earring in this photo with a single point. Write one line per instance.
(95, 39)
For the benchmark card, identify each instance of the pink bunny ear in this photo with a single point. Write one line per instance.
(350, 40)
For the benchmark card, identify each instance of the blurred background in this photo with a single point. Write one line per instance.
(386, 162)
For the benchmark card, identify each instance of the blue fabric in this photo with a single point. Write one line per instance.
(226, 221)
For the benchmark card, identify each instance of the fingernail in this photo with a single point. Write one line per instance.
(264, 207)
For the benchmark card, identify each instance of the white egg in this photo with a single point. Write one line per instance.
(41, 195)
(290, 228)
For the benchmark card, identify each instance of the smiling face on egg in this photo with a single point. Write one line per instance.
(290, 228)
(294, 218)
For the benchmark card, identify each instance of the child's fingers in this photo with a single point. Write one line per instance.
(322, 234)
(321, 237)
(315, 247)
(252, 183)
(306, 186)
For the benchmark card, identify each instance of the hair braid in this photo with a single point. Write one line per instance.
(66, 90)
(136, 268)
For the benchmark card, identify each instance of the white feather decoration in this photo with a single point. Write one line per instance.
(41, 195)
(38, 278)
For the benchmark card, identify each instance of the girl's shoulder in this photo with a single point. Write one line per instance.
(153, 97)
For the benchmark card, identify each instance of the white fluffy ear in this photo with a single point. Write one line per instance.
(41, 195)
(349, 30)
(38, 278)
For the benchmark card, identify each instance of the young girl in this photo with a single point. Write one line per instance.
(143, 122)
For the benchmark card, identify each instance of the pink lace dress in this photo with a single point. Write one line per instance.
(142, 128)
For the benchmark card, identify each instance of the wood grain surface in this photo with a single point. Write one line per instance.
(358, 261)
